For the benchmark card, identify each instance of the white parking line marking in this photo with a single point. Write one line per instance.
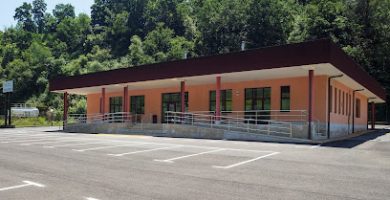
(90, 198)
(73, 144)
(63, 140)
(315, 147)
(31, 140)
(26, 184)
(245, 162)
(107, 147)
(187, 156)
(26, 136)
(142, 151)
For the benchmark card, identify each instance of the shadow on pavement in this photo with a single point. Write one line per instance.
(358, 140)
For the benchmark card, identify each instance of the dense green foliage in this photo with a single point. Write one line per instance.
(123, 33)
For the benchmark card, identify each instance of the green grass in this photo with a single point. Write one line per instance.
(32, 121)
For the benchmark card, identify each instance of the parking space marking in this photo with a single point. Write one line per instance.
(25, 136)
(63, 140)
(73, 144)
(26, 184)
(244, 162)
(187, 156)
(107, 147)
(148, 150)
(90, 198)
(31, 140)
(315, 146)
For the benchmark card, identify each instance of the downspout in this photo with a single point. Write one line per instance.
(371, 116)
(329, 101)
(353, 108)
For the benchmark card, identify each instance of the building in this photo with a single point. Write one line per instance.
(312, 84)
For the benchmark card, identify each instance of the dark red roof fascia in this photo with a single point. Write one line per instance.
(344, 63)
(306, 53)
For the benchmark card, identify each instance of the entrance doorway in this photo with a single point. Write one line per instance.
(257, 99)
(172, 102)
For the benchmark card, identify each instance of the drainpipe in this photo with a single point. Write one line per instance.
(372, 117)
(329, 101)
(353, 108)
(65, 117)
(310, 100)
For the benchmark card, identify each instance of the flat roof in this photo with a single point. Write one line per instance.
(289, 55)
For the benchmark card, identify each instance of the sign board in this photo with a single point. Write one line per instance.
(8, 86)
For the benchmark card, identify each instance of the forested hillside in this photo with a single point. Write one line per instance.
(123, 33)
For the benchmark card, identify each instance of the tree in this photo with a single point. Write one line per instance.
(268, 23)
(164, 11)
(99, 13)
(137, 55)
(24, 17)
(118, 32)
(222, 24)
(62, 11)
(73, 32)
(323, 19)
(38, 10)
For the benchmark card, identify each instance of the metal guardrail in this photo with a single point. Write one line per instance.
(270, 122)
(119, 117)
(262, 122)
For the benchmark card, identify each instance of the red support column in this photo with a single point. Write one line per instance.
(183, 96)
(125, 104)
(103, 102)
(373, 115)
(218, 99)
(65, 117)
(310, 102)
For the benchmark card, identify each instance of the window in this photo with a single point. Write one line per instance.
(115, 104)
(339, 102)
(335, 100)
(172, 102)
(226, 100)
(347, 112)
(350, 104)
(358, 108)
(285, 98)
(137, 104)
(258, 99)
(330, 99)
(343, 105)
(100, 105)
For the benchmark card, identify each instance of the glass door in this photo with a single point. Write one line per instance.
(172, 102)
(257, 99)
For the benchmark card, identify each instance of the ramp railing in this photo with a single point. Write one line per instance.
(119, 117)
(281, 123)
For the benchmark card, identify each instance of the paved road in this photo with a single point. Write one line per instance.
(40, 163)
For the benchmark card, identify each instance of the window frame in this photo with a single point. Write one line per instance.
(335, 100)
(358, 108)
(225, 103)
(134, 104)
(116, 103)
(285, 98)
(262, 98)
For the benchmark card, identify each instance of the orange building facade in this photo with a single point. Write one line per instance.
(315, 81)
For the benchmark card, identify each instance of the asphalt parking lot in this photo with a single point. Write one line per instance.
(42, 163)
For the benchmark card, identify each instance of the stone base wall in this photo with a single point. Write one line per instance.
(179, 131)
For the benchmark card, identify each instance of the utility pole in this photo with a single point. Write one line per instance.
(8, 87)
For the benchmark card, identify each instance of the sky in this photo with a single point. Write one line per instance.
(7, 9)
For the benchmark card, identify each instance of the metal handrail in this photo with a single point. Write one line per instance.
(247, 123)
(119, 117)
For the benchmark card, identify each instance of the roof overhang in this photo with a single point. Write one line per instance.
(284, 61)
